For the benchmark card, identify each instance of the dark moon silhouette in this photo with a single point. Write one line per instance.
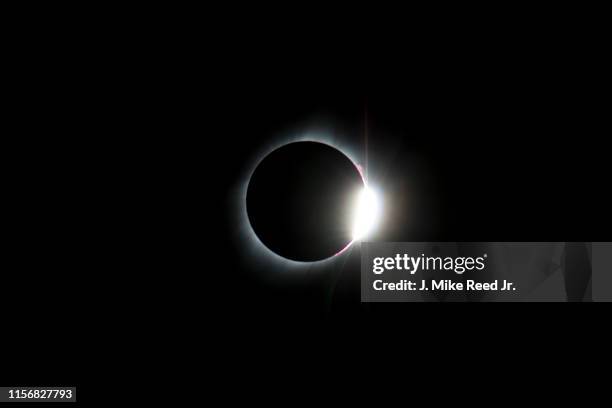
(300, 200)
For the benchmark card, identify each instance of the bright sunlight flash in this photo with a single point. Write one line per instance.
(366, 213)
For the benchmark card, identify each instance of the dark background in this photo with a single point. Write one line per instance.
(123, 255)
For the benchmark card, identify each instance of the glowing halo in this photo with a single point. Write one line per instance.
(249, 240)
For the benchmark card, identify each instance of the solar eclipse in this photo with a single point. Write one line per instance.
(307, 201)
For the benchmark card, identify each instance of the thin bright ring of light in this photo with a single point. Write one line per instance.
(364, 214)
